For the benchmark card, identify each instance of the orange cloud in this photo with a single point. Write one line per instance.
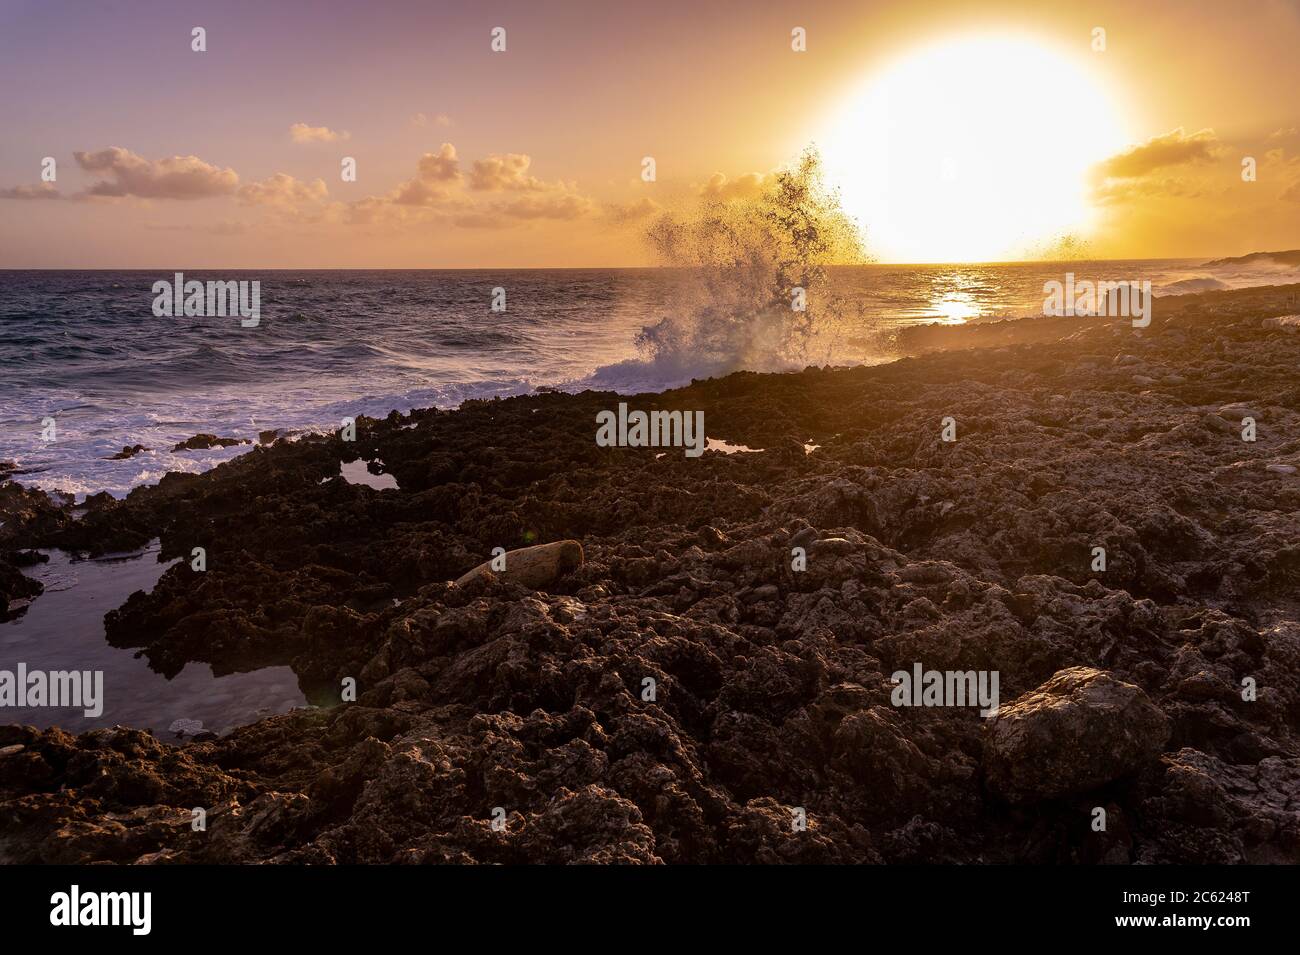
(43, 190)
(622, 213)
(1171, 166)
(721, 188)
(435, 173)
(555, 205)
(283, 190)
(438, 191)
(501, 173)
(1172, 149)
(442, 166)
(176, 177)
(302, 133)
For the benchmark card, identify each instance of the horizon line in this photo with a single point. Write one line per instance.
(607, 268)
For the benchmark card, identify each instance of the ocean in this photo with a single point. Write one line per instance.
(85, 348)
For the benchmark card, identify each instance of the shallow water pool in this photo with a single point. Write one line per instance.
(63, 629)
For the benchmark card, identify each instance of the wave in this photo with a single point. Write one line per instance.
(752, 290)
(1253, 271)
(1204, 283)
(80, 461)
(726, 302)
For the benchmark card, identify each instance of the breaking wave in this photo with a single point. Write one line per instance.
(750, 284)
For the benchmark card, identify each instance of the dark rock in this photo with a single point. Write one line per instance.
(128, 451)
(1079, 730)
(683, 695)
(16, 588)
(202, 442)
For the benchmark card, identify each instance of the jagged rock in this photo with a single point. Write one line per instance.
(680, 692)
(1079, 730)
(16, 588)
(202, 442)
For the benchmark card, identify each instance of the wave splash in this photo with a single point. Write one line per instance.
(750, 289)
(1248, 271)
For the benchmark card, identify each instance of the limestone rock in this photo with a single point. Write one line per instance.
(537, 567)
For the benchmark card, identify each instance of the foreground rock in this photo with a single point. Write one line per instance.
(718, 666)
(16, 588)
(1079, 730)
(537, 568)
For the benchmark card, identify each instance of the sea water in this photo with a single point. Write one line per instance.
(84, 349)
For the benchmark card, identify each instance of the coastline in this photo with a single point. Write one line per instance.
(333, 345)
(772, 686)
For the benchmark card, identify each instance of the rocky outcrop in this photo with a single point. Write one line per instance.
(203, 442)
(712, 682)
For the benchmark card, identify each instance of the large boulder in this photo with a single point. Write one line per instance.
(1079, 730)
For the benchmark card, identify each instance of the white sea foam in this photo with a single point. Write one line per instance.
(73, 349)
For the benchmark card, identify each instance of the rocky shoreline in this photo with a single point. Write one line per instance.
(498, 723)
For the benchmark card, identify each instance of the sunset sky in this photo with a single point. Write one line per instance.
(953, 134)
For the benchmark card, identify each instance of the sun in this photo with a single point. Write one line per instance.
(975, 148)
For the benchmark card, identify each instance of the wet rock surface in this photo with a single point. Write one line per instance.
(679, 694)
(16, 588)
(128, 451)
(203, 442)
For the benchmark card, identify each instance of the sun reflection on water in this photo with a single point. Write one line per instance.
(955, 307)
